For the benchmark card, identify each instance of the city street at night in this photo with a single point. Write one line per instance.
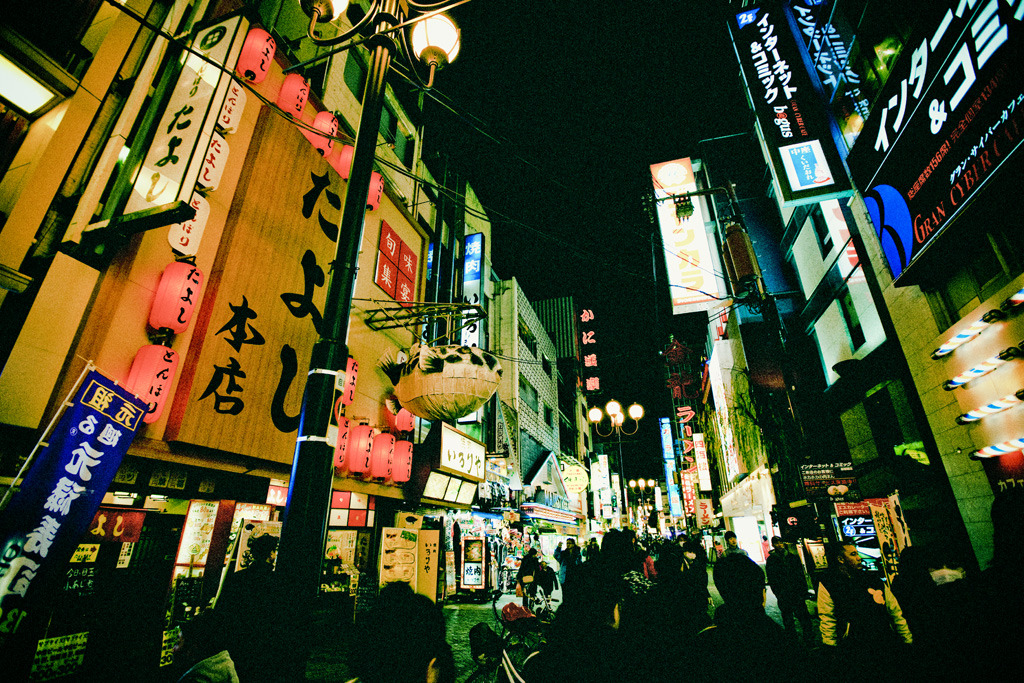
(394, 341)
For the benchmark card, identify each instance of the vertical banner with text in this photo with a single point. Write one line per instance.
(45, 520)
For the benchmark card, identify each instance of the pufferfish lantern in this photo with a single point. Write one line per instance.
(443, 382)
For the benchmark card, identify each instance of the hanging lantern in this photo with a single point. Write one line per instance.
(341, 444)
(401, 467)
(359, 449)
(341, 160)
(185, 237)
(293, 95)
(402, 421)
(326, 123)
(257, 55)
(176, 297)
(231, 111)
(375, 192)
(381, 456)
(151, 376)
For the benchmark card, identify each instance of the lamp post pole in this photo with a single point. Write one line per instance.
(300, 553)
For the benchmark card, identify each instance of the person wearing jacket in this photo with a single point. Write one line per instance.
(788, 583)
(859, 613)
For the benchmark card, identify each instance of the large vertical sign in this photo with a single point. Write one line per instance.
(700, 453)
(43, 523)
(472, 283)
(949, 116)
(693, 284)
(590, 376)
(668, 456)
(177, 154)
(794, 127)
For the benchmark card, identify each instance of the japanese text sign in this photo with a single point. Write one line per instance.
(460, 454)
(794, 126)
(950, 114)
(44, 522)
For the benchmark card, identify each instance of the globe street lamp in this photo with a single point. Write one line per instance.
(616, 418)
(434, 41)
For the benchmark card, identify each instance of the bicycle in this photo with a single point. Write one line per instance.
(501, 658)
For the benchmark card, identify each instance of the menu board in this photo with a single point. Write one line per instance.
(472, 562)
(398, 556)
(59, 657)
(198, 532)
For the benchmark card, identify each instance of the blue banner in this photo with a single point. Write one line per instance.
(44, 522)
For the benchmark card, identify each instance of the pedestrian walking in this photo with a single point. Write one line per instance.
(591, 550)
(789, 584)
(859, 614)
(732, 545)
(758, 649)
(568, 558)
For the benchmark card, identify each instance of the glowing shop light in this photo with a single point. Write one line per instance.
(982, 369)
(998, 449)
(999, 406)
(1014, 301)
(968, 334)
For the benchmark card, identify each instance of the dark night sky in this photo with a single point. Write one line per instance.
(570, 103)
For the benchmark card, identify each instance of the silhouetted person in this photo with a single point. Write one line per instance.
(788, 583)
(403, 640)
(732, 545)
(1000, 619)
(527, 575)
(568, 558)
(202, 654)
(858, 613)
(754, 647)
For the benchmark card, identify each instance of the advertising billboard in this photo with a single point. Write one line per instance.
(948, 118)
(793, 125)
(693, 283)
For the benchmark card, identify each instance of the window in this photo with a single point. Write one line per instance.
(549, 415)
(817, 219)
(851, 318)
(527, 394)
(546, 364)
(526, 336)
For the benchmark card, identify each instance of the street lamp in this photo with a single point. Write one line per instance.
(435, 41)
(616, 418)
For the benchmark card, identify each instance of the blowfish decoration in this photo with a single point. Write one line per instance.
(443, 382)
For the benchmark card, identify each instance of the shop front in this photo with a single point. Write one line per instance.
(746, 508)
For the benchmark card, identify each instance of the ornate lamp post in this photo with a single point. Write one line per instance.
(616, 418)
(435, 42)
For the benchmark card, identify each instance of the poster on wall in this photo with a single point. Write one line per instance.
(251, 529)
(399, 551)
(472, 562)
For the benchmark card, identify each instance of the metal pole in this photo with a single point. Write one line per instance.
(300, 553)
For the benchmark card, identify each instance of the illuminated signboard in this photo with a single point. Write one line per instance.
(693, 284)
(472, 269)
(461, 455)
(948, 118)
(675, 506)
(703, 471)
(792, 122)
(588, 340)
(666, 439)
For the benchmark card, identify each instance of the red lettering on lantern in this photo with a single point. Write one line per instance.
(381, 457)
(150, 378)
(176, 297)
(401, 467)
(256, 56)
(340, 446)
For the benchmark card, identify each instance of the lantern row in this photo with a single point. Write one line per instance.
(992, 316)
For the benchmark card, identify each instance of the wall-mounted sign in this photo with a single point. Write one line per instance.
(575, 479)
(833, 481)
(700, 453)
(948, 118)
(693, 284)
(792, 122)
(461, 454)
(472, 562)
(472, 283)
(590, 377)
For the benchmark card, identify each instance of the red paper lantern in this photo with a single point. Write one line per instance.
(293, 95)
(341, 160)
(401, 466)
(404, 421)
(176, 297)
(328, 125)
(151, 376)
(381, 457)
(257, 55)
(342, 442)
(359, 449)
(351, 376)
(375, 192)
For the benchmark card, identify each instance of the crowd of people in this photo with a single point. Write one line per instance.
(625, 616)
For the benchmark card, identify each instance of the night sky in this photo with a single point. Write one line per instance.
(561, 109)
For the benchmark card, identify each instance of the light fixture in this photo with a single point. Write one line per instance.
(595, 414)
(23, 90)
(636, 411)
(995, 450)
(632, 483)
(982, 369)
(651, 483)
(613, 407)
(970, 333)
(435, 40)
(1008, 401)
